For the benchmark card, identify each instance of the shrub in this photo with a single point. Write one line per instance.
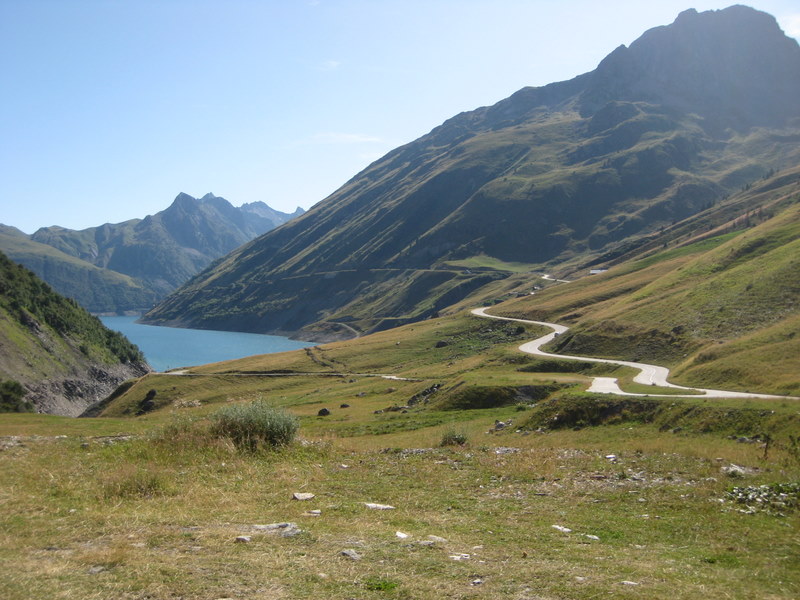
(251, 426)
(12, 397)
(452, 437)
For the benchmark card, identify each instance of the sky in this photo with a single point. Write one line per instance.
(110, 108)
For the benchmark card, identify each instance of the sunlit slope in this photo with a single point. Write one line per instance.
(550, 177)
(63, 356)
(723, 310)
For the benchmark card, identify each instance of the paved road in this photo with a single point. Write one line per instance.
(648, 374)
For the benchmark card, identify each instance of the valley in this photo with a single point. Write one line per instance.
(556, 356)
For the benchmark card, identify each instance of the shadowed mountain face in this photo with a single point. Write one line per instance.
(659, 132)
(131, 265)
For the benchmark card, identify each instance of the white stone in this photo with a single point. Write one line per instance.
(375, 506)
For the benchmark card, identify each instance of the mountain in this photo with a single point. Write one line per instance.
(95, 288)
(58, 357)
(561, 176)
(131, 265)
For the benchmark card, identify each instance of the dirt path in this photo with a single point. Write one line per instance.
(648, 374)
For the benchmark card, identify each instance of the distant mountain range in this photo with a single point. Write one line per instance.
(130, 266)
(567, 176)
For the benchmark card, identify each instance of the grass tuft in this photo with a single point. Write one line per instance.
(451, 437)
(255, 425)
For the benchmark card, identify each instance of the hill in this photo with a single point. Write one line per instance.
(557, 176)
(130, 266)
(97, 289)
(56, 355)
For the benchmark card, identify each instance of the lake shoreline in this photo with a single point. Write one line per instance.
(167, 348)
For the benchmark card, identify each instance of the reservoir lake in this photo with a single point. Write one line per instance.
(169, 347)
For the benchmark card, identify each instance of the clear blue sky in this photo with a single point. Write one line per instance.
(109, 109)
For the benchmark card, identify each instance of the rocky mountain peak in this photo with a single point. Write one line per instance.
(714, 63)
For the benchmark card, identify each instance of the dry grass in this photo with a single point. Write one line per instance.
(78, 524)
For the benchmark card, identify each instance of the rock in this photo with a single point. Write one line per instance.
(313, 513)
(302, 496)
(401, 535)
(476, 581)
(375, 506)
(629, 583)
(562, 529)
(345, 405)
(282, 529)
(591, 537)
(734, 471)
(460, 556)
(243, 539)
(96, 569)
(323, 412)
(442, 344)
(436, 539)
(351, 554)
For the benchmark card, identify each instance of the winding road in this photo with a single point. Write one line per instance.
(648, 374)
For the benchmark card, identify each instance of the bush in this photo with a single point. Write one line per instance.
(452, 437)
(251, 426)
(12, 397)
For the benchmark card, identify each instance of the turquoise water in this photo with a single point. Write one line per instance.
(169, 347)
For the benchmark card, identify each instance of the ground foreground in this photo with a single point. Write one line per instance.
(541, 492)
(622, 511)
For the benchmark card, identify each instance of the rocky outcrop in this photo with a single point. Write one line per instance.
(72, 396)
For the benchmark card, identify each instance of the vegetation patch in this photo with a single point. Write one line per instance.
(558, 366)
(255, 425)
(12, 396)
(481, 397)
(576, 411)
(451, 437)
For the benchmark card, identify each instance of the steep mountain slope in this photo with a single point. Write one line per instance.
(131, 265)
(557, 175)
(720, 304)
(64, 358)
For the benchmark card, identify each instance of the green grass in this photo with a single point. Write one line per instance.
(136, 518)
(489, 262)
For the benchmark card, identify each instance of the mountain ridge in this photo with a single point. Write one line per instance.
(549, 176)
(129, 266)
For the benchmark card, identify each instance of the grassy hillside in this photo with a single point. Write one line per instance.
(721, 307)
(582, 495)
(49, 341)
(554, 177)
